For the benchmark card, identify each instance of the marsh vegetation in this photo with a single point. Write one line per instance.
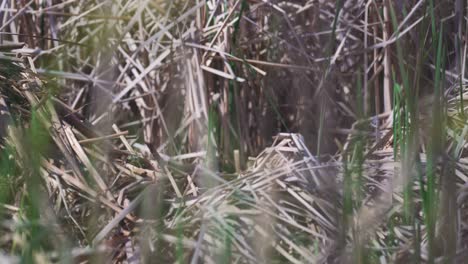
(233, 131)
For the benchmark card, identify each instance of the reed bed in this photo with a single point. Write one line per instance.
(243, 131)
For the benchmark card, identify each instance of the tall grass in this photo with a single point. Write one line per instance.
(232, 131)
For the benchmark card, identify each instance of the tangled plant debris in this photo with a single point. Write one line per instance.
(236, 131)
